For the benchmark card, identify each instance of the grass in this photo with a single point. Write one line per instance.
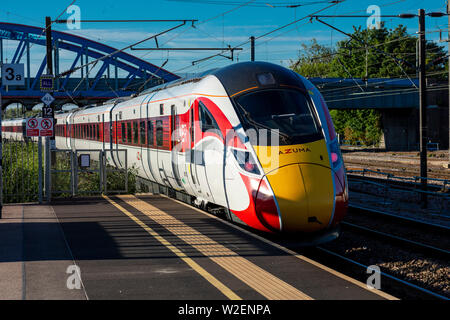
(20, 172)
(20, 175)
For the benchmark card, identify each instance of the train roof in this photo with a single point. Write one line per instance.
(241, 76)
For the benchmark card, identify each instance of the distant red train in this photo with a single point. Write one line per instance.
(254, 138)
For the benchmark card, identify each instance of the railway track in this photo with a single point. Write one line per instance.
(398, 169)
(379, 230)
(396, 286)
(403, 242)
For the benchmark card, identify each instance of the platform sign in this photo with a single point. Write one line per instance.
(32, 127)
(47, 99)
(40, 127)
(13, 74)
(46, 127)
(47, 83)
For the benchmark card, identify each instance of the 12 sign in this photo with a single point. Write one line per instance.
(13, 74)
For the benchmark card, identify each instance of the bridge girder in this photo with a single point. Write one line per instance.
(91, 89)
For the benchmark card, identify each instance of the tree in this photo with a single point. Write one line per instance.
(314, 60)
(371, 53)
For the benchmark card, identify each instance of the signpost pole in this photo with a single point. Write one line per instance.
(40, 192)
(1, 155)
(48, 141)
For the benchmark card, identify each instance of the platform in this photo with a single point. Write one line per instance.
(152, 247)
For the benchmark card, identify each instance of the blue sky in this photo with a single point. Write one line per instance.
(228, 23)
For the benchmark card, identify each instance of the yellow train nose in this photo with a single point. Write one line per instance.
(305, 196)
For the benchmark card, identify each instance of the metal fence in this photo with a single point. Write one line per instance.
(22, 171)
(70, 177)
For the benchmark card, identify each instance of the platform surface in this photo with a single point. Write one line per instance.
(152, 247)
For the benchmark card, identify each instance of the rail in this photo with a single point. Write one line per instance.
(389, 185)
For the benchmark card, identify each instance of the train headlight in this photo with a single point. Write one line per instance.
(336, 156)
(246, 161)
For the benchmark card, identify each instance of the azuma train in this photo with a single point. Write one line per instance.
(253, 138)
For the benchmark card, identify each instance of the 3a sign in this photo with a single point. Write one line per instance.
(13, 74)
(40, 127)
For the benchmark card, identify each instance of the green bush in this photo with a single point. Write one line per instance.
(358, 125)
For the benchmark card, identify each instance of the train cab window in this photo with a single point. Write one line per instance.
(150, 133)
(286, 110)
(159, 133)
(207, 121)
(135, 133)
(129, 132)
(142, 132)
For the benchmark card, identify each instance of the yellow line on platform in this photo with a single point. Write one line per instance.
(205, 274)
(255, 277)
(294, 254)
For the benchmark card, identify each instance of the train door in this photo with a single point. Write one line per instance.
(102, 132)
(70, 129)
(191, 168)
(146, 136)
(202, 151)
(118, 133)
(176, 155)
(150, 147)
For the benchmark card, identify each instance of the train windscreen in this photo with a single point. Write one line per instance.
(288, 111)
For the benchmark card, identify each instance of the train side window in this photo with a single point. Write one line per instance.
(207, 121)
(135, 133)
(124, 132)
(97, 132)
(159, 133)
(129, 132)
(150, 133)
(142, 130)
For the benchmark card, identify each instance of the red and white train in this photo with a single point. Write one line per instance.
(254, 138)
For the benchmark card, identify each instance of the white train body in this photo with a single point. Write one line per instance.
(192, 137)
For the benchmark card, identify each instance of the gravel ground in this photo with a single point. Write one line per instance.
(432, 274)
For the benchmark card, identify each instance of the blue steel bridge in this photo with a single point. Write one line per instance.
(106, 83)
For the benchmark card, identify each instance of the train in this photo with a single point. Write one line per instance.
(253, 138)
